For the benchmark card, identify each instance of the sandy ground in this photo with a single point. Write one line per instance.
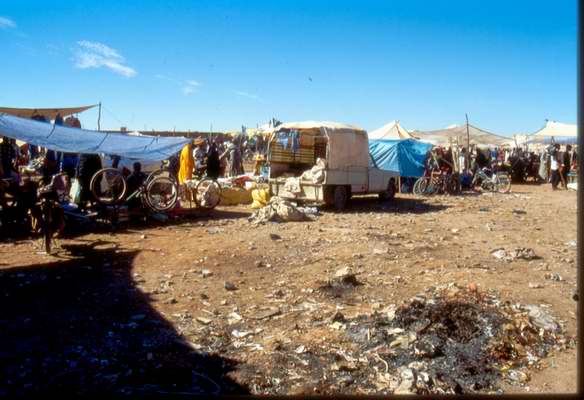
(106, 300)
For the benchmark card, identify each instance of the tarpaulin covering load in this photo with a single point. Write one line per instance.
(75, 140)
(405, 156)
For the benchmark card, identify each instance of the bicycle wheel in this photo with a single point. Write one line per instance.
(165, 173)
(421, 186)
(207, 194)
(503, 183)
(161, 193)
(434, 185)
(108, 186)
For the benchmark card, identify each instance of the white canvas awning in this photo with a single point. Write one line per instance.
(553, 128)
(391, 130)
(49, 113)
(477, 136)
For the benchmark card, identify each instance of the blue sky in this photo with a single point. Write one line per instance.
(189, 64)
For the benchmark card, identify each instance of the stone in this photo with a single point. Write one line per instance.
(206, 273)
(204, 321)
(229, 286)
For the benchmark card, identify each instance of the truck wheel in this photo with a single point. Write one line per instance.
(340, 197)
(389, 194)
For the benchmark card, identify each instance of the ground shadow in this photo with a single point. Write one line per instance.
(81, 326)
(397, 205)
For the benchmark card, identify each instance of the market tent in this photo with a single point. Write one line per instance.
(49, 113)
(478, 137)
(406, 156)
(392, 130)
(76, 140)
(557, 132)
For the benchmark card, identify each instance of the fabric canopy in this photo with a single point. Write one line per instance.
(556, 132)
(392, 130)
(75, 140)
(477, 136)
(49, 113)
(405, 156)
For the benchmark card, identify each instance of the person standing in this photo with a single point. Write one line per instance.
(88, 165)
(187, 164)
(566, 165)
(213, 162)
(555, 166)
(7, 156)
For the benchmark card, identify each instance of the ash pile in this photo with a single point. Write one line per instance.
(447, 340)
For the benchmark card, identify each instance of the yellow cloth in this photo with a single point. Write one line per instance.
(260, 198)
(234, 196)
(187, 164)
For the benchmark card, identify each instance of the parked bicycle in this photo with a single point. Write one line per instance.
(492, 181)
(159, 193)
(438, 182)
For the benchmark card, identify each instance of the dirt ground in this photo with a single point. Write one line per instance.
(132, 311)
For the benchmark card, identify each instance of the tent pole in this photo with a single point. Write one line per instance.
(99, 117)
(467, 145)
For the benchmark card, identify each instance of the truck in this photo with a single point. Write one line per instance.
(324, 163)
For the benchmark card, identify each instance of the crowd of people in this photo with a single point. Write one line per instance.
(551, 164)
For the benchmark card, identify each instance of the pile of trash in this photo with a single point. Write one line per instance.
(209, 196)
(447, 340)
(281, 210)
(516, 254)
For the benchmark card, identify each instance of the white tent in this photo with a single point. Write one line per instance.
(392, 130)
(477, 136)
(559, 132)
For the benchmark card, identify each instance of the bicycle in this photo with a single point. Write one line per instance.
(158, 193)
(492, 181)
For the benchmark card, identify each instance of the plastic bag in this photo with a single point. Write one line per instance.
(75, 192)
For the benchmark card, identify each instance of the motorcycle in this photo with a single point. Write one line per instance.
(492, 181)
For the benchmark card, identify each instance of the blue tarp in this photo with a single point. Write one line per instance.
(405, 156)
(74, 140)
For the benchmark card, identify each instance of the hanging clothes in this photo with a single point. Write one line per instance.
(187, 164)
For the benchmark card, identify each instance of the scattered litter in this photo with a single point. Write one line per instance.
(535, 285)
(553, 277)
(279, 210)
(516, 254)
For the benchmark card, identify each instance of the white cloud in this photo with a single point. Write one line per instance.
(97, 55)
(187, 87)
(248, 95)
(188, 90)
(7, 23)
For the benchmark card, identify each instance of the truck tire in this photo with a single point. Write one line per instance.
(389, 194)
(329, 195)
(340, 197)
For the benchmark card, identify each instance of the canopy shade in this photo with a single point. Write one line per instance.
(75, 140)
(49, 113)
(392, 130)
(406, 156)
(477, 136)
(557, 132)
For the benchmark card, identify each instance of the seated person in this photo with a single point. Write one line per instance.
(135, 180)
